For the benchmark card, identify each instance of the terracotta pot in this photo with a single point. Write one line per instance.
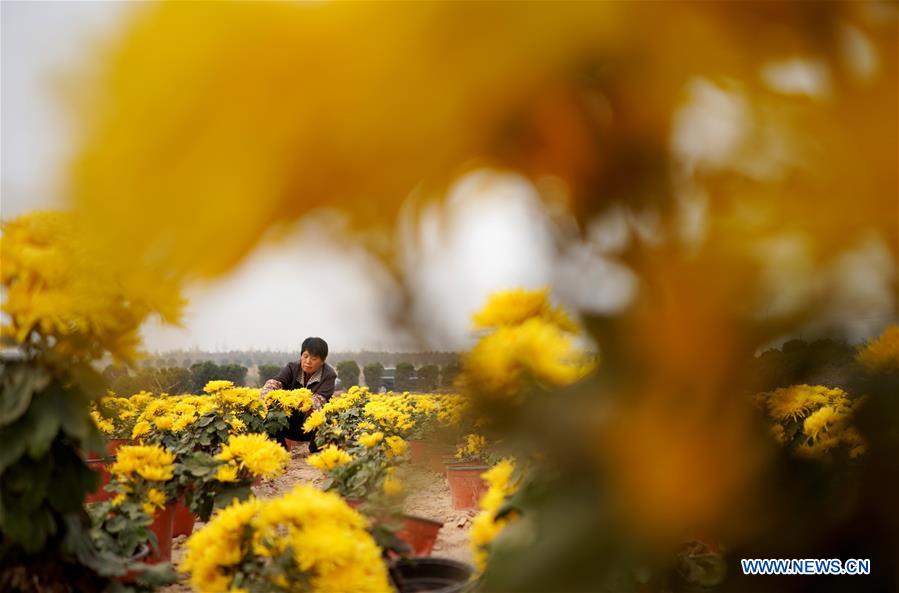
(466, 485)
(183, 519)
(434, 575)
(100, 494)
(435, 454)
(162, 528)
(457, 463)
(419, 533)
(291, 445)
(418, 449)
(112, 445)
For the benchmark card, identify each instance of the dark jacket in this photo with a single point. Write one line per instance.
(291, 377)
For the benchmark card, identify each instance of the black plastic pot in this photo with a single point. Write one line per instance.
(431, 575)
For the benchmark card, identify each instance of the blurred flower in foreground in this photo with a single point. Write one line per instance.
(67, 300)
(514, 307)
(530, 341)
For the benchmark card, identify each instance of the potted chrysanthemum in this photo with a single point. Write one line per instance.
(305, 536)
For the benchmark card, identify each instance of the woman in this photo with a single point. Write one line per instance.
(310, 372)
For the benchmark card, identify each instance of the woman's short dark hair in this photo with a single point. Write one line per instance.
(315, 347)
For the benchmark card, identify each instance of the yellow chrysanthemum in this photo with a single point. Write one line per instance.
(214, 386)
(155, 500)
(820, 420)
(292, 400)
(102, 423)
(227, 473)
(328, 541)
(397, 446)
(237, 425)
(315, 419)
(514, 307)
(485, 526)
(536, 349)
(473, 446)
(393, 486)
(213, 551)
(150, 462)
(329, 458)
(256, 453)
(882, 353)
(58, 286)
(370, 440)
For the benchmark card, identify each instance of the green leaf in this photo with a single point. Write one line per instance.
(225, 497)
(20, 382)
(45, 417)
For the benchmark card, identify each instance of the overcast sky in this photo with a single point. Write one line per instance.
(505, 241)
(455, 254)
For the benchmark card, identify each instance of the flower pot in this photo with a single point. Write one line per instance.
(183, 519)
(112, 445)
(419, 533)
(353, 502)
(434, 575)
(418, 450)
(100, 494)
(466, 485)
(452, 461)
(162, 528)
(435, 456)
(291, 445)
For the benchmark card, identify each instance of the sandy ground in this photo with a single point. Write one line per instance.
(429, 497)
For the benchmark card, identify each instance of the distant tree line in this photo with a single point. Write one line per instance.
(819, 362)
(172, 380)
(254, 358)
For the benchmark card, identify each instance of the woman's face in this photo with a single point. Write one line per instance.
(310, 362)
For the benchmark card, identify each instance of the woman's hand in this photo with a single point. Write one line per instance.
(317, 401)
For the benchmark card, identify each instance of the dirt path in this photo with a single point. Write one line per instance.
(429, 497)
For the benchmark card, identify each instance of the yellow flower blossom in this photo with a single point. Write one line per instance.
(329, 458)
(536, 349)
(256, 453)
(290, 400)
(102, 423)
(370, 440)
(237, 425)
(227, 473)
(314, 420)
(397, 446)
(514, 307)
(155, 500)
(473, 446)
(150, 462)
(485, 526)
(882, 354)
(59, 287)
(213, 386)
(141, 428)
(329, 543)
(393, 486)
